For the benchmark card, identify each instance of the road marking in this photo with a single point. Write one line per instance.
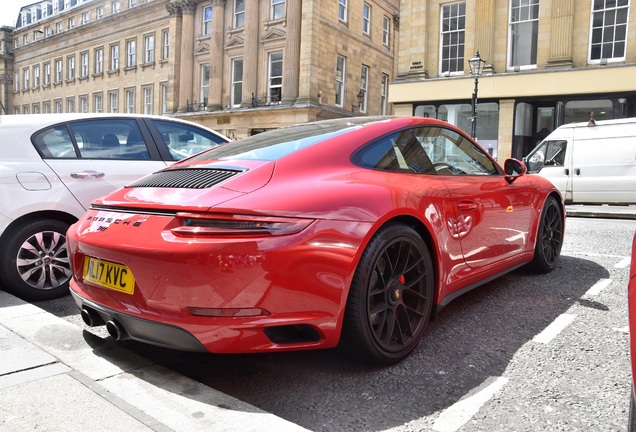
(458, 414)
(551, 331)
(597, 288)
(624, 263)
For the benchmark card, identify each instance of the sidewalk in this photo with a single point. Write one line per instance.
(54, 376)
(601, 211)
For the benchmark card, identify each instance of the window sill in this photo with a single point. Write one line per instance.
(70, 80)
(151, 64)
(113, 72)
(130, 68)
(97, 74)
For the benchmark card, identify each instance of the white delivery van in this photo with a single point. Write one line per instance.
(590, 163)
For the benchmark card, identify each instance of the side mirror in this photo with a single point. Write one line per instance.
(513, 168)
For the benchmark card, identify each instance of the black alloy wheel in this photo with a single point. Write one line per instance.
(549, 237)
(391, 297)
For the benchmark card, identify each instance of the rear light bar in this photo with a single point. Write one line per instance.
(224, 225)
(227, 312)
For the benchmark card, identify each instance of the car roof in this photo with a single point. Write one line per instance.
(39, 120)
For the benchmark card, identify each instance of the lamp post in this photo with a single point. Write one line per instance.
(476, 68)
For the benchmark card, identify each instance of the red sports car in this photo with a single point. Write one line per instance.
(349, 232)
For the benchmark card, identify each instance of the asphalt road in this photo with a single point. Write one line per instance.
(525, 353)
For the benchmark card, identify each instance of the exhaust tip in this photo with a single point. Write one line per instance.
(116, 331)
(90, 317)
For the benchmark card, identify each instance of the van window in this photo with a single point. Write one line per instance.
(548, 153)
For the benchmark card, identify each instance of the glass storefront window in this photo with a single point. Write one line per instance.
(579, 111)
(460, 116)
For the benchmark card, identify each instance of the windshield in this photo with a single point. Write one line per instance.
(275, 144)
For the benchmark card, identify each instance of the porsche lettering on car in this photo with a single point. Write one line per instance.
(348, 233)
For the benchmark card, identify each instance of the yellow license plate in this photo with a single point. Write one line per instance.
(109, 275)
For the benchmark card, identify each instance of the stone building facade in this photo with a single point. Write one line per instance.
(547, 62)
(237, 66)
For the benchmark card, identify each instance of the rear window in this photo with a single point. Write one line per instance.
(278, 143)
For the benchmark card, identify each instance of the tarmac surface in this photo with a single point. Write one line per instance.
(54, 376)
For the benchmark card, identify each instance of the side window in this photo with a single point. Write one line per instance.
(184, 140)
(54, 143)
(453, 154)
(399, 152)
(548, 153)
(110, 139)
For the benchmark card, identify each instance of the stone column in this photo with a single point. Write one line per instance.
(291, 55)
(215, 94)
(174, 32)
(561, 34)
(188, 7)
(484, 34)
(250, 53)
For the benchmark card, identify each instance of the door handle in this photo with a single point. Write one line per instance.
(87, 174)
(466, 206)
(567, 171)
(577, 171)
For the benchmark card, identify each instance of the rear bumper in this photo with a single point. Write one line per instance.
(150, 332)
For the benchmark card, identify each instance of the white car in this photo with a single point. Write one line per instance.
(53, 165)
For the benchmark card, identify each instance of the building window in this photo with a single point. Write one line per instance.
(99, 12)
(237, 81)
(114, 57)
(453, 27)
(239, 13)
(15, 43)
(132, 3)
(524, 31)
(131, 47)
(609, 30)
(84, 61)
(149, 49)
(58, 27)
(114, 102)
(85, 17)
(147, 100)
(275, 86)
(58, 106)
(340, 80)
(386, 30)
(165, 53)
(277, 10)
(26, 82)
(164, 98)
(99, 60)
(47, 107)
(366, 18)
(114, 7)
(70, 105)
(342, 10)
(83, 104)
(25, 110)
(36, 108)
(71, 68)
(71, 22)
(58, 71)
(364, 87)
(130, 101)
(205, 84)
(36, 76)
(207, 20)
(47, 73)
(98, 103)
(384, 90)
(25, 39)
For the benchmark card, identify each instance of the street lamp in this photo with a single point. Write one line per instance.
(476, 68)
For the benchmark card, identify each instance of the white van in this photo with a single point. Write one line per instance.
(590, 163)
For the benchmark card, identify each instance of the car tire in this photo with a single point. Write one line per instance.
(34, 261)
(549, 237)
(631, 424)
(391, 297)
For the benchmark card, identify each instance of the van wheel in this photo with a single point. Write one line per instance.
(549, 237)
(391, 297)
(34, 261)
